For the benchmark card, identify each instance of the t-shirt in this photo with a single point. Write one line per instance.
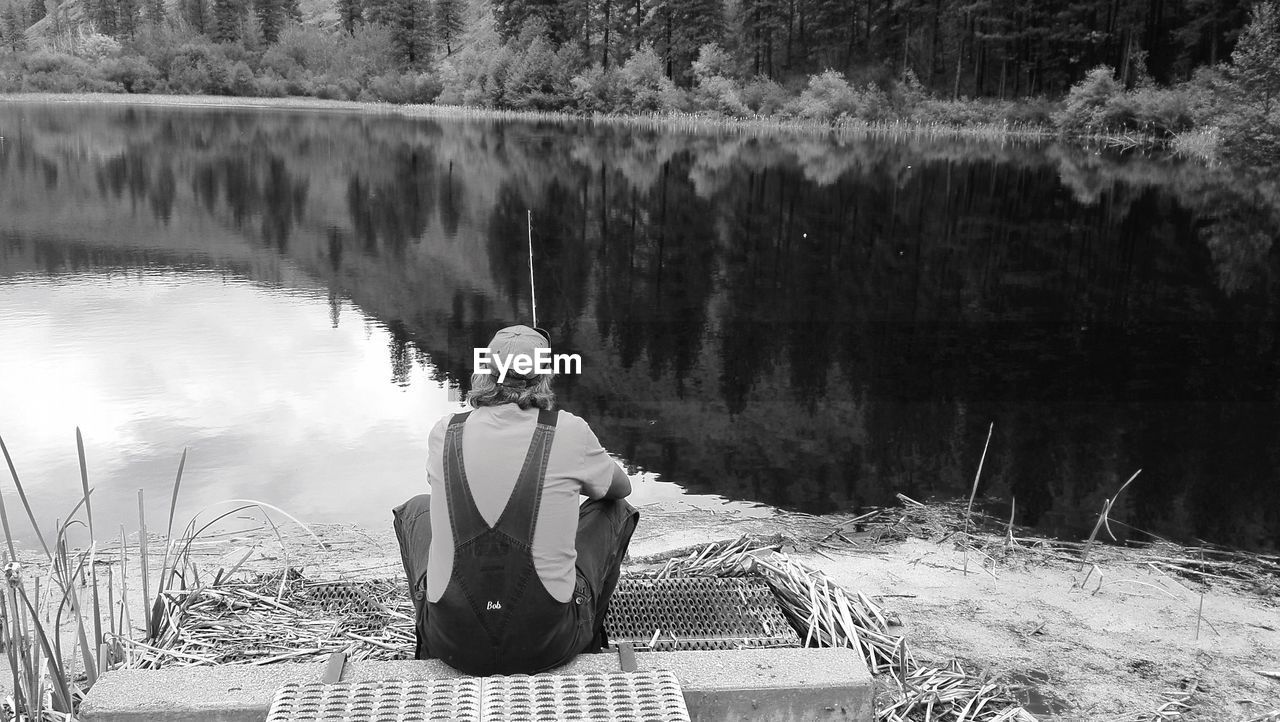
(495, 441)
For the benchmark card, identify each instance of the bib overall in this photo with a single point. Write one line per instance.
(495, 616)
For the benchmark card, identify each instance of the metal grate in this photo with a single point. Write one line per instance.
(350, 596)
(628, 697)
(390, 701)
(631, 696)
(693, 613)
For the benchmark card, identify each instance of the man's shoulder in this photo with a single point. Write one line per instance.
(571, 421)
(442, 424)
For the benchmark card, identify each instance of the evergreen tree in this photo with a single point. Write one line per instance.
(382, 12)
(103, 15)
(35, 12)
(153, 11)
(410, 25)
(763, 23)
(612, 31)
(350, 12)
(127, 16)
(413, 32)
(563, 19)
(228, 20)
(271, 16)
(13, 27)
(197, 15)
(1256, 60)
(450, 22)
(1206, 32)
(679, 28)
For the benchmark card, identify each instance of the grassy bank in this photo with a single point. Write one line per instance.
(655, 120)
(1208, 117)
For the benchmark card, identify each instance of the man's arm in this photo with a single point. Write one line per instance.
(620, 485)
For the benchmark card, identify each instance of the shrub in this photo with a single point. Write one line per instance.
(1031, 111)
(351, 89)
(714, 89)
(1206, 94)
(158, 44)
(596, 90)
(476, 76)
(369, 52)
(908, 93)
(764, 96)
(719, 94)
(1097, 104)
(54, 72)
(826, 94)
(829, 97)
(10, 76)
(643, 86)
(200, 68)
(328, 90)
(539, 77)
(1162, 111)
(407, 88)
(299, 85)
(1087, 101)
(302, 49)
(271, 86)
(85, 44)
(712, 62)
(132, 73)
(241, 81)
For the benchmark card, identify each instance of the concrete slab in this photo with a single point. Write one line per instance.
(782, 685)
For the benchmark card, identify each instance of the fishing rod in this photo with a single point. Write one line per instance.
(533, 293)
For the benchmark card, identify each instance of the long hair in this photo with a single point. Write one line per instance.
(486, 391)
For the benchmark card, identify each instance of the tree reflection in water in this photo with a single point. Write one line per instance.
(815, 322)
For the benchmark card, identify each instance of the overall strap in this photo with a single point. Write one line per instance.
(521, 513)
(464, 517)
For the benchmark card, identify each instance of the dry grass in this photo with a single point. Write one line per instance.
(252, 622)
(827, 615)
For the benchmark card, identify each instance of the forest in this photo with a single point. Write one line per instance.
(1202, 74)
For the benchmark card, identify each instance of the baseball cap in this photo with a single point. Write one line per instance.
(517, 341)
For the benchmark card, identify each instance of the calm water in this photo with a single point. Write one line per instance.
(813, 323)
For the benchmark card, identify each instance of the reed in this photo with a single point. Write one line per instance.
(1104, 519)
(1203, 144)
(968, 513)
(42, 681)
(46, 684)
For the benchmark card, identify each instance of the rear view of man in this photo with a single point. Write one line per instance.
(518, 576)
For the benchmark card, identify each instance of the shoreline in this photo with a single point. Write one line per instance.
(672, 121)
(1132, 633)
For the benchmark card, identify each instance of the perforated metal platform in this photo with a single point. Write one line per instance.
(637, 696)
(650, 696)
(697, 613)
(391, 701)
(341, 595)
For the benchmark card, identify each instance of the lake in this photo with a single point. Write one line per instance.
(814, 322)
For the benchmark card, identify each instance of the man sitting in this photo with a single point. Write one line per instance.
(518, 576)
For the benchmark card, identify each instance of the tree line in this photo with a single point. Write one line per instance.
(987, 48)
(1157, 67)
(976, 48)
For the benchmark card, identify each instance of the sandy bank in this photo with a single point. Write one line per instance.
(1122, 638)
